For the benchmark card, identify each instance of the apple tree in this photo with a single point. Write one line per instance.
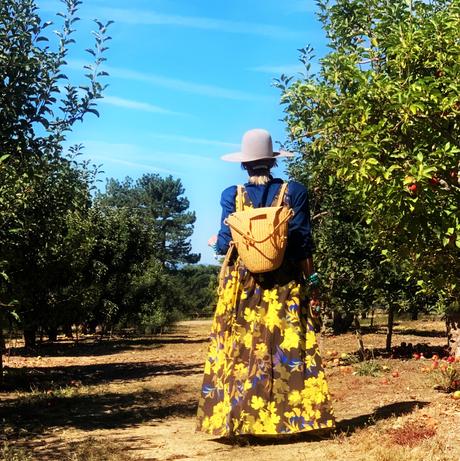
(39, 184)
(381, 119)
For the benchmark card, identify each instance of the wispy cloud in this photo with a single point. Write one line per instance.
(137, 105)
(130, 155)
(278, 70)
(138, 157)
(135, 165)
(191, 140)
(177, 84)
(288, 69)
(148, 17)
(305, 6)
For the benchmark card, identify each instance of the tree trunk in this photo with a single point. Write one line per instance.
(359, 337)
(341, 323)
(68, 331)
(414, 314)
(391, 315)
(29, 338)
(2, 338)
(52, 334)
(2, 348)
(453, 333)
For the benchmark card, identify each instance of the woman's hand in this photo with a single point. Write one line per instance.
(314, 306)
(314, 302)
(315, 310)
(212, 241)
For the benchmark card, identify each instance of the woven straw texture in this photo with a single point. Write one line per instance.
(260, 235)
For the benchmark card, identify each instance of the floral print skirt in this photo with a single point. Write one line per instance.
(263, 373)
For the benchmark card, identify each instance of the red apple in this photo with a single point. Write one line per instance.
(416, 356)
(395, 374)
(412, 187)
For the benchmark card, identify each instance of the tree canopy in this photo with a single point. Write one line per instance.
(381, 121)
(159, 202)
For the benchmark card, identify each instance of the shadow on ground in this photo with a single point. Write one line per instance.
(344, 426)
(422, 333)
(36, 414)
(46, 378)
(93, 347)
(382, 330)
(348, 426)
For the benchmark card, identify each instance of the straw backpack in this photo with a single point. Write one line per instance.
(260, 234)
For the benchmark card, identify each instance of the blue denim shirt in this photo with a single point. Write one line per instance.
(300, 242)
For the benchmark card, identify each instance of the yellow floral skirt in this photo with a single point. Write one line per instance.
(263, 374)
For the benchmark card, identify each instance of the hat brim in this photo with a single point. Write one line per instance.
(240, 157)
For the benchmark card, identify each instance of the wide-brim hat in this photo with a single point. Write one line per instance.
(256, 145)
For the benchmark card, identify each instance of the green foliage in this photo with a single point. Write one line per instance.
(158, 296)
(115, 247)
(446, 377)
(368, 368)
(160, 204)
(380, 123)
(142, 230)
(199, 288)
(65, 257)
(40, 188)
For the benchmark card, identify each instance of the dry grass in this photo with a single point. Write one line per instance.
(411, 434)
(96, 450)
(11, 453)
(90, 449)
(421, 436)
(136, 399)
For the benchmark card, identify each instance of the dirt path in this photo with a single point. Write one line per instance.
(140, 396)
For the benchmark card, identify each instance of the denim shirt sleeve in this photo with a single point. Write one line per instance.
(224, 236)
(300, 241)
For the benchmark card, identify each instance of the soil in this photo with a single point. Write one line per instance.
(140, 395)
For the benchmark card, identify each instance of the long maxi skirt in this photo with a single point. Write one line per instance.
(263, 373)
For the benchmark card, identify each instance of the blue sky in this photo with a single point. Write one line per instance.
(187, 79)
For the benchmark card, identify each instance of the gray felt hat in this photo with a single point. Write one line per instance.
(256, 145)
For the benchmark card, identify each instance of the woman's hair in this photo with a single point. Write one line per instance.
(259, 170)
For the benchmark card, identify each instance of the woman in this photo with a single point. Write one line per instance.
(263, 373)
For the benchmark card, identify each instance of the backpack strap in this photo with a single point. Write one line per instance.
(225, 264)
(239, 198)
(242, 198)
(280, 196)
